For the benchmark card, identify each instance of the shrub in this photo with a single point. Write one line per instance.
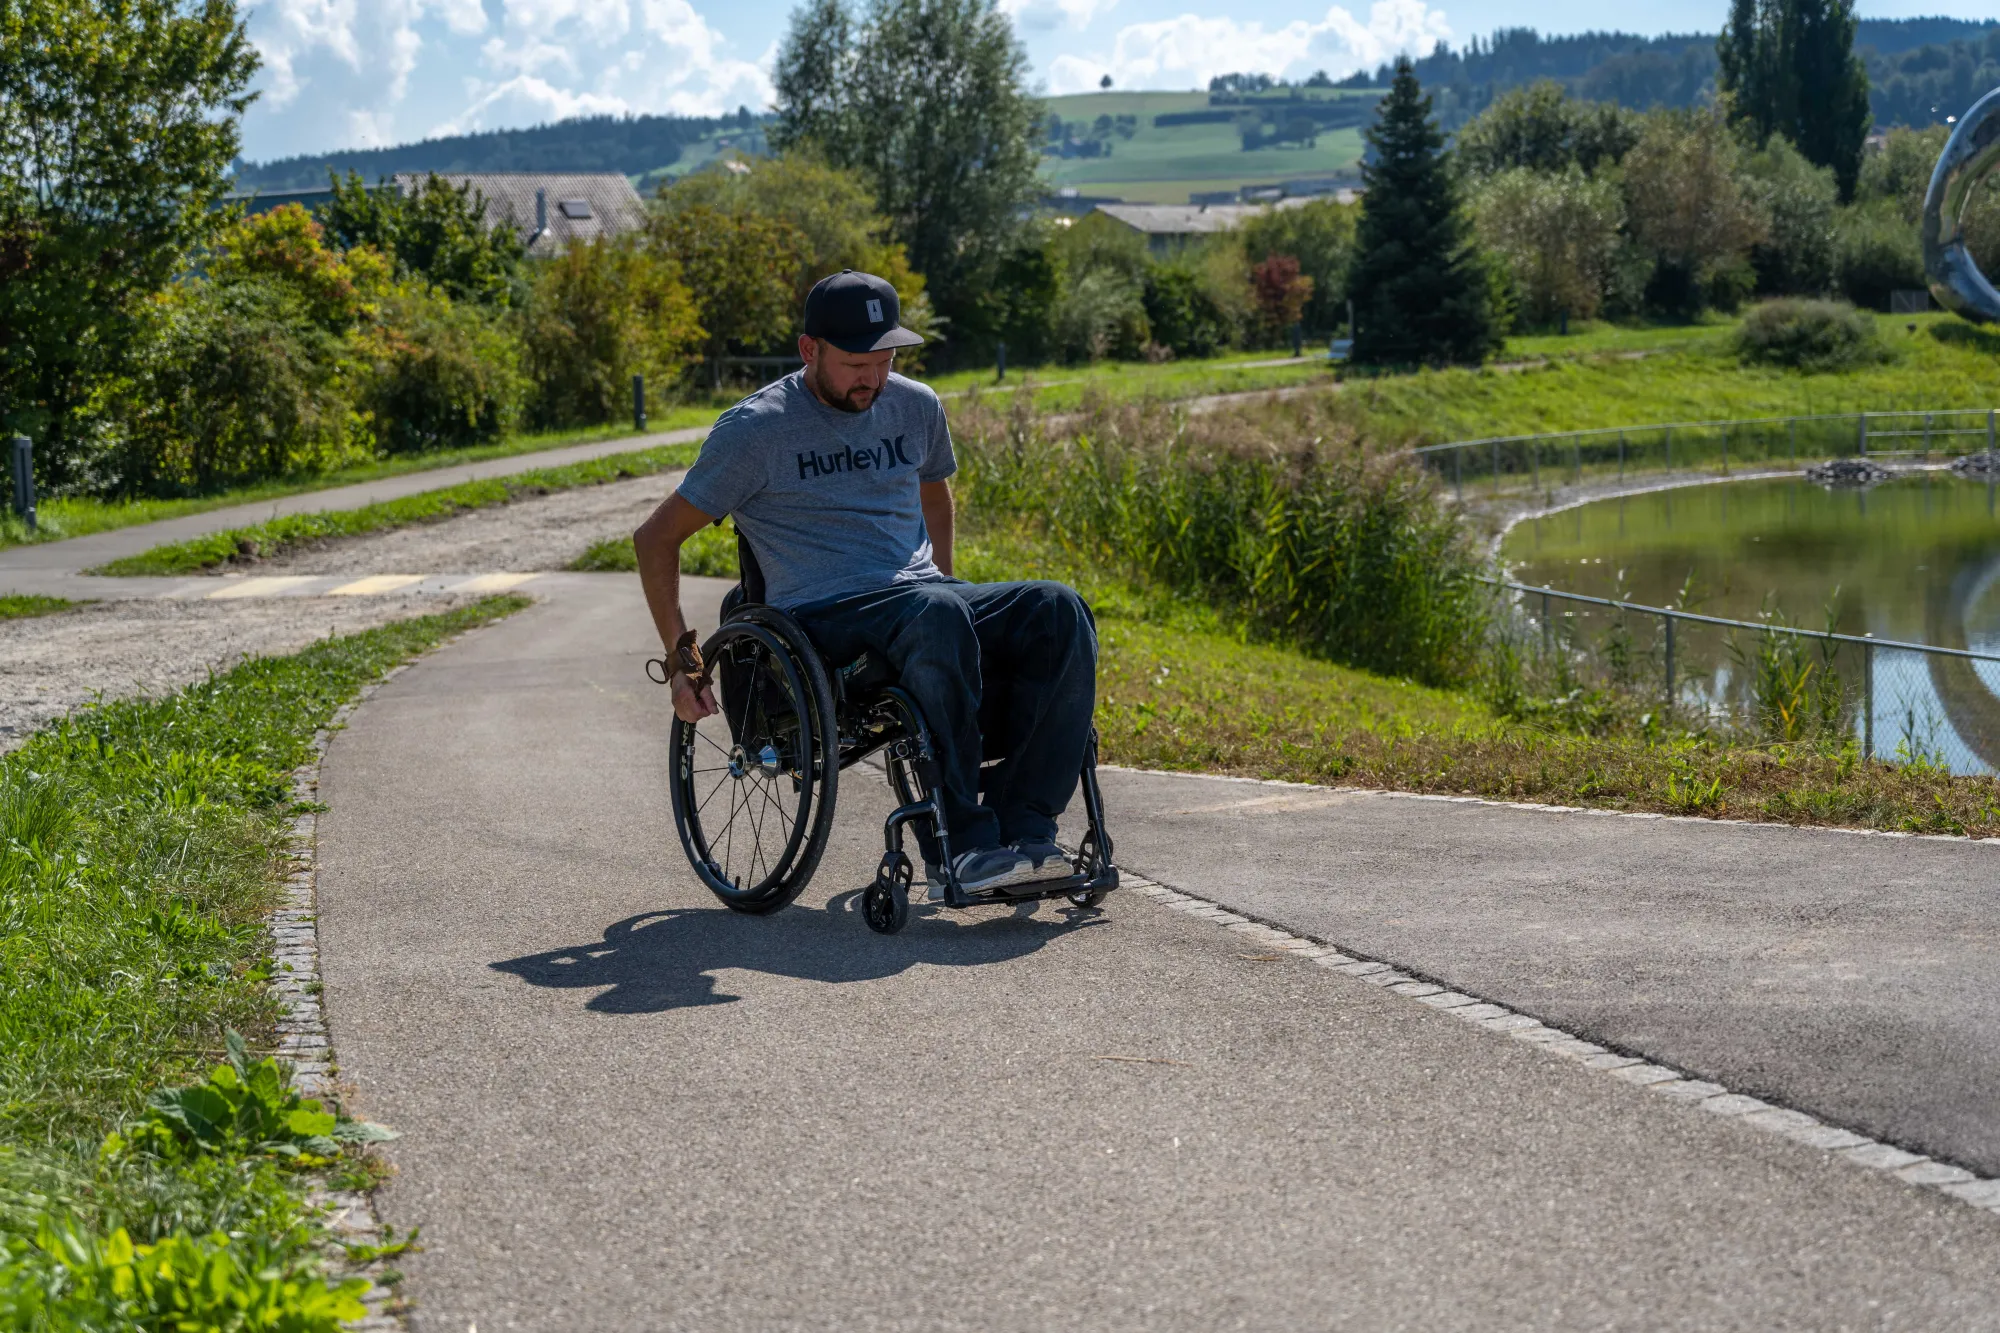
(1557, 235)
(1877, 252)
(1102, 313)
(1808, 335)
(441, 374)
(600, 313)
(1181, 312)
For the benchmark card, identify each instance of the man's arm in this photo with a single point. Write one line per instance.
(935, 497)
(657, 544)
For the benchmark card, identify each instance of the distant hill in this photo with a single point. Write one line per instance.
(638, 146)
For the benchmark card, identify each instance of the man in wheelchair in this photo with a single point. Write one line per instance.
(838, 477)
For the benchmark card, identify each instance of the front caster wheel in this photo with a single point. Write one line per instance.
(885, 904)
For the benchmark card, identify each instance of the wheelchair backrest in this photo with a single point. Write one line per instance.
(750, 576)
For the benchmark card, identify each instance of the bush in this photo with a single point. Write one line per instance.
(599, 314)
(1556, 234)
(1877, 252)
(441, 375)
(1808, 335)
(1182, 314)
(1103, 313)
(1795, 258)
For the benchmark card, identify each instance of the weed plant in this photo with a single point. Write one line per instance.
(141, 845)
(245, 546)
(21, 606)
(710, 553)
(1292, 521)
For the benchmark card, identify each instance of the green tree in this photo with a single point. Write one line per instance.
(1789, 67)
(1558, 234)
(1795, 258)
(437, 232)
(1420, 290)
(741, 268)
(1542, 128)
(928, 101)
(597, 314)
(1688, 209)
(117, 127)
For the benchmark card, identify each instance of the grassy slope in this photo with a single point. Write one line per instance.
(141, 845)
(265, 540)
(1946, 363)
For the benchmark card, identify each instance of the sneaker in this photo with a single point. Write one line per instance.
(982, 870)
(1049, 860)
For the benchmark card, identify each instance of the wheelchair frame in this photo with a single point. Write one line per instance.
(869, 713)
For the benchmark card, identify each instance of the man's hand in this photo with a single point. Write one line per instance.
(691, 706)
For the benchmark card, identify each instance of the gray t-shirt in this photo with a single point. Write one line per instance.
(827, 499)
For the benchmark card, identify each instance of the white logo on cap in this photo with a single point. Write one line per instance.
(874, 312)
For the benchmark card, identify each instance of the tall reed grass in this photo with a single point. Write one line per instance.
(1273, 510)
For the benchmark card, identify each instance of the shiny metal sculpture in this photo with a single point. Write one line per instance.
(1973, 150)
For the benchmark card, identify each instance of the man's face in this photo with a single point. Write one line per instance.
(848, 381)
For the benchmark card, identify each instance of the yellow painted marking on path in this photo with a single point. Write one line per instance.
(263, 586)
(491, 583)
(375, 584)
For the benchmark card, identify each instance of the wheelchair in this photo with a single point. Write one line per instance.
(753, 786)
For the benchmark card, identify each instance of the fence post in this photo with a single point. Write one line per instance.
(1868, 699)
(638, 402)
(1670, 448)
(1535, 463)
(1548, 626)
(1576, 460)
(1670, 660)
(21, 458)
(1725, 451)
(1621, 457)
(1861, 434)
(1927, 437)
(1458, 473)
(1496, 467)
(1792, 432)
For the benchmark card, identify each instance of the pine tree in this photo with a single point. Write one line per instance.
(1419, 288)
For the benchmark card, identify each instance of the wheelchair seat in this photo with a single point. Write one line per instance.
(789, 726)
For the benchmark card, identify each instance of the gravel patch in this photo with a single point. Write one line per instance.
(50, 665)
(523, 537)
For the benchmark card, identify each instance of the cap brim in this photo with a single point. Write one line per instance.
(883, 342)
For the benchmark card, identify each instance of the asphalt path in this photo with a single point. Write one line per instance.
(35, 568)
(624, 1107)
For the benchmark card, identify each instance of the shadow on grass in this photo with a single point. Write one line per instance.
(657, 961)
(1958, 334)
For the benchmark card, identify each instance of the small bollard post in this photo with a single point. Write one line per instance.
(1868, 699)
(1000, 363)
(638, 402)
(1298, 340)
(1670, 661)
(21, 457)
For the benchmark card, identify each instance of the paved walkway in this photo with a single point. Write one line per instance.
(50, 567)
(625, 1107)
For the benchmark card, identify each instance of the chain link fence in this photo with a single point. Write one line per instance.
(1764, 681)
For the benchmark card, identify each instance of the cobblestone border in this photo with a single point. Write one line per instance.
(1860, 1150)
(303, 1037)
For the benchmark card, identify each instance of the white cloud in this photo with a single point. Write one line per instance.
(1188, 50)
(1047, 14)
(353, 73)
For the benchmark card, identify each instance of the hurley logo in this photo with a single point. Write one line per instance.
(850, 459)
(874, 312)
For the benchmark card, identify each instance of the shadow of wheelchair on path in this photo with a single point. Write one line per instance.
(657, 961)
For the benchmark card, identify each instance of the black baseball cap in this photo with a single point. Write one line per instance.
(857, 312)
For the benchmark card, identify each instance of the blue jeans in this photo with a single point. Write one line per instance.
(1014, 663)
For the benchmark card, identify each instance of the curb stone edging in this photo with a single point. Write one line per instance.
(303, 1037)
(1914, 1169)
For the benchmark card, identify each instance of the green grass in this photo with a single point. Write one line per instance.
(142, 844)
(62, 517)
(1596, 337)
(263, 541)
(1946, 363)
(1183, 686)
(20, 606)
(710, 553)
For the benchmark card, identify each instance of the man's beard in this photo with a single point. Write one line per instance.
(843, 404)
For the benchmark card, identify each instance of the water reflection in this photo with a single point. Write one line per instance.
(1916, 559)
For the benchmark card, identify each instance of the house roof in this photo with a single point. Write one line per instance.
(578, 207)
(1189, 219)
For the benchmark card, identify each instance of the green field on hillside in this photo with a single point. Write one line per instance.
(1164, 164)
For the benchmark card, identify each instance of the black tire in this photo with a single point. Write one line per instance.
(885, 903)
(753, 814)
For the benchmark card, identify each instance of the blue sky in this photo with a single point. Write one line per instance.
(356, 73)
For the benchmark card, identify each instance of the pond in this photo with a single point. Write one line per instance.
(1916, 559)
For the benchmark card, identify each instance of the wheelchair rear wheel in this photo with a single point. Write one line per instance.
(753, 786)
